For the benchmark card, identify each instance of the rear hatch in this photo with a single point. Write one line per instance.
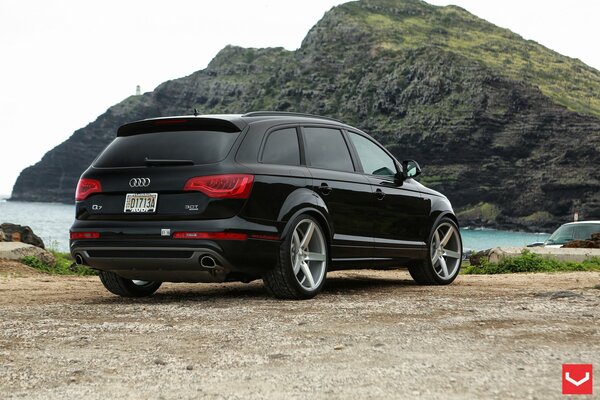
(166, 169)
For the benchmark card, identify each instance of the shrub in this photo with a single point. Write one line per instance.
(65, 265)
(531, 262)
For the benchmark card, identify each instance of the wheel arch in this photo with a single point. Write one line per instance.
(315, 213)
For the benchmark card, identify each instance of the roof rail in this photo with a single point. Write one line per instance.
(287, 113)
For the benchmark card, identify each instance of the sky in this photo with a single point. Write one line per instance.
(65, 62)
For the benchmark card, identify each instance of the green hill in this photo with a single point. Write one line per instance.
(507, 128)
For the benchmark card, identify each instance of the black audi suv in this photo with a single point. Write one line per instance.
(281, 197)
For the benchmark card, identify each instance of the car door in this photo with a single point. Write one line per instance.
(347, 194)
(401, 211)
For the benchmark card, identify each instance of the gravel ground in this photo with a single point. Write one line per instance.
(370, 335)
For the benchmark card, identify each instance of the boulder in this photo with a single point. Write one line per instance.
(19, 233)
(17, 250)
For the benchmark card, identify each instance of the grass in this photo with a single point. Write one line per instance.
(64, 265)
(530, 262)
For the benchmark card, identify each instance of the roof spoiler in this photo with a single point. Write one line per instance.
(177, 124)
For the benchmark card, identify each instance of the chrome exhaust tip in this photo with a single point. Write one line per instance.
(208, 262)
(78, 259)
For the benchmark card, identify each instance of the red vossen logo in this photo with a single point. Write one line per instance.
(577, 379)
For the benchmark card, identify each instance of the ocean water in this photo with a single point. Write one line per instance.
(481, 239)
(51, 222)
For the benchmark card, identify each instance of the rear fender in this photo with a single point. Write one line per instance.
(305, 201)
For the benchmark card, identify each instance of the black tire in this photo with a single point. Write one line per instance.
(127, 287)
(281, 281)
(425, 272)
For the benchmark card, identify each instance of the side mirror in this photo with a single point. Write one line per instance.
(410, 169)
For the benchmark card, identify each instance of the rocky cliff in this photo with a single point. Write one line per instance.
(507, 128)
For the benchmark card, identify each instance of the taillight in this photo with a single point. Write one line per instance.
(230, 186)
(84, 235)
(87, 187)
(210, 235)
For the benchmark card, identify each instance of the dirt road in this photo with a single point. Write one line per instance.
(370, 335)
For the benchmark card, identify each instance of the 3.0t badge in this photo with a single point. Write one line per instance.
(139, 182)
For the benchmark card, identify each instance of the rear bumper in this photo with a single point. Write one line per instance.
(156, 264)
(136, 250)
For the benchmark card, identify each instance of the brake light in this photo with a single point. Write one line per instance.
(84, 235)
(210, 235)
(230, 186)
(87, 187)
(169, 121)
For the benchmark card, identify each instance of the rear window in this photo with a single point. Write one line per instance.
(200, 147)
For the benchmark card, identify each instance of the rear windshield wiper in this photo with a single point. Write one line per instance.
(154, 161)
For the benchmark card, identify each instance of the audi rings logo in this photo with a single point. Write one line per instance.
(139, 182)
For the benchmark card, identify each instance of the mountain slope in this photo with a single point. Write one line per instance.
(508, 129)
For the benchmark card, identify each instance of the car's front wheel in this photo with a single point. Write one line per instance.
(303, 260)
(445, 256)
(127, 287)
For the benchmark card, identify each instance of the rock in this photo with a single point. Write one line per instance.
(19, 233)
(477, 258)
(17, 250)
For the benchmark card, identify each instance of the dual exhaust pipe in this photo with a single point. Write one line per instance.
(206, 261)
(79, 259)
(209, 262)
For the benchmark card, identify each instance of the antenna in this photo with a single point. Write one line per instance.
(196, 112)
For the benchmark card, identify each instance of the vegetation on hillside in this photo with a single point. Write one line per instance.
(416, 24)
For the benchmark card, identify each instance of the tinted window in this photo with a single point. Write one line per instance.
(326, 148)
(282, 148)
(201, 147)
(374, 160)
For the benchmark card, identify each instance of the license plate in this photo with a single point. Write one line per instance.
(140, 202)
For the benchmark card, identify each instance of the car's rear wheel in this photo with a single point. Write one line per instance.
(303, 260)
(445, 256)
(127, 287)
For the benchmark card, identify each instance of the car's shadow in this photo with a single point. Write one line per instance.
(256, 290)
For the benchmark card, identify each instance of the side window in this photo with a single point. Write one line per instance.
(282, 148)
(585, 231)
(374, 160)
(326, 148)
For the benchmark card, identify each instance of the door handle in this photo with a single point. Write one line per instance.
(325, 189)
(380, 194)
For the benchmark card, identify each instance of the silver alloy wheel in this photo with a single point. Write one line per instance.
(446, 251)
(308, 254)
(140, 283)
